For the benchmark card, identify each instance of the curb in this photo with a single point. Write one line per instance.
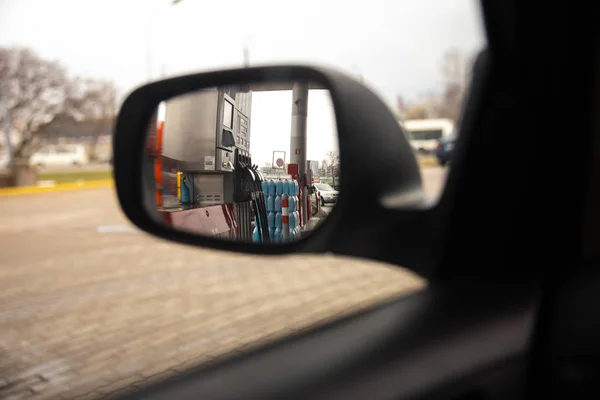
(51, 187)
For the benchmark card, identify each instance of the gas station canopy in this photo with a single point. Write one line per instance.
(273, 86)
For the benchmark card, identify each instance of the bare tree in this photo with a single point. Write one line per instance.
(416, 111)
(455, 70)
(331, 164)
(452, 101)
(96, 101)
(34, 91)
(37, 91)
(324, 168)
(333, 158)
(453, 67)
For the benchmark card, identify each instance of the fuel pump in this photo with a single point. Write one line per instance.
(205, 142)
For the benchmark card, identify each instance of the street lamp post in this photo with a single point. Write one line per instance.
(149, 39)
(246, 56)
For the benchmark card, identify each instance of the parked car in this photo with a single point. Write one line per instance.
(326, 192)
(61, 155)
(444, 149)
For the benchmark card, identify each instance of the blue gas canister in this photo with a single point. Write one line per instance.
(279, 187)
(278, 220)
(265, 187)
(292, 221)
(294, 192)
(278, 235)
(272, 188)
(271, 219)
(277, 204)
(270, 203)
(286, 187)
(292, 204)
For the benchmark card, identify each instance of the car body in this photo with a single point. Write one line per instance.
(60, 155)
(516, 318)
(326, 193)
(444, 149)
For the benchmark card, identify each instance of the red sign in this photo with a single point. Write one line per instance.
(293, 169)
(279, 162)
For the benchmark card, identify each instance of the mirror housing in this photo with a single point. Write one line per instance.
(380, 169)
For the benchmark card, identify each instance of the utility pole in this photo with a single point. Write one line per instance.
(246, 56)
(149, 40)
(298, 141)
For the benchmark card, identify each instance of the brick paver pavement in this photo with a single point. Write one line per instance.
(85, 314)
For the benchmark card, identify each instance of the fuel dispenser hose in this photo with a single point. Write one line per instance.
(249, 188)
(261, 206)
(259, 199)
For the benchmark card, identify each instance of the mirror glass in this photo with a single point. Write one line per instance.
(255, 163)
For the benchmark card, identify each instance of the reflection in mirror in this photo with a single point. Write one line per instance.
(253, 163)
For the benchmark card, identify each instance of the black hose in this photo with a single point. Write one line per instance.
(260, 198)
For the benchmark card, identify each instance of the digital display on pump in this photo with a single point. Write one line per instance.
(227, 114)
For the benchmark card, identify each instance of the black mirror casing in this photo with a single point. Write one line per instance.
(381, 175)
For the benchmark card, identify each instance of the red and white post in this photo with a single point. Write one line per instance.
(285, 218)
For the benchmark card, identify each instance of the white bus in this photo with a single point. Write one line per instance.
(424, 134)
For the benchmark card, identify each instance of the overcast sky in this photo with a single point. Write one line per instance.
(396, 45)
(271, 121)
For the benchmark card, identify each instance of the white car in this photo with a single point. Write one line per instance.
(61, 155)
(326, 193)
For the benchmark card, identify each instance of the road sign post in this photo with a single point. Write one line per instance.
(278, 159)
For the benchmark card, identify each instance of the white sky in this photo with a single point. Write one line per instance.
(271, 123)
(396, 45)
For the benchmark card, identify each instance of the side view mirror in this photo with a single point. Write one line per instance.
(195, 159)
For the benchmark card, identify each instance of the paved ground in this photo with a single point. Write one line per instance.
(433, 180)
(85, 314)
